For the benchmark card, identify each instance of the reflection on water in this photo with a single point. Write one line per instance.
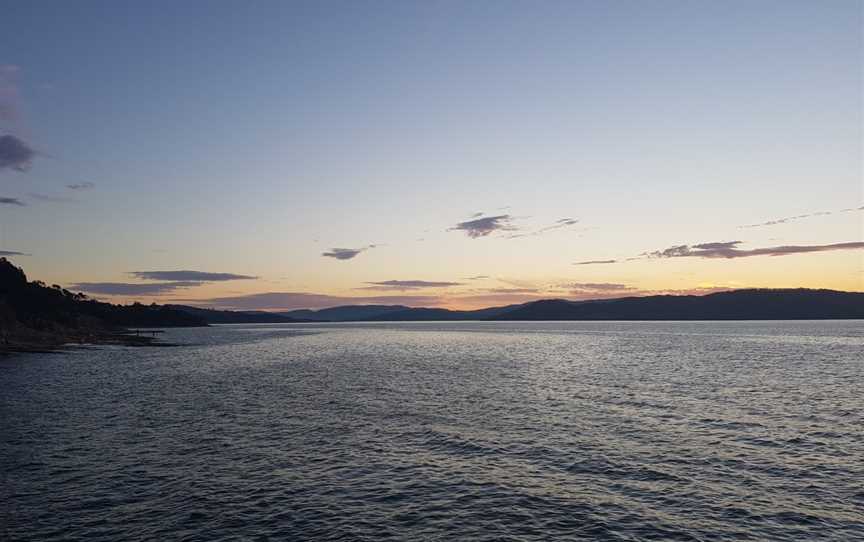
(478, 431)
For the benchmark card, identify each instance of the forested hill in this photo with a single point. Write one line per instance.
(751, 304)
(34, 313)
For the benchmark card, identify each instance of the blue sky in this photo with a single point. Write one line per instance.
(253, 137)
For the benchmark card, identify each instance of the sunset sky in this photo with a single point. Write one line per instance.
(280, 155)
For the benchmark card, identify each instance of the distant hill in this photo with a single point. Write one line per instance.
(212, 316)
(392, 313)
(773, 304)
(752, 304)
(345, 313)
(434, 314)
(421, 314)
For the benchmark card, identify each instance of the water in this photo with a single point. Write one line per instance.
(442, 431)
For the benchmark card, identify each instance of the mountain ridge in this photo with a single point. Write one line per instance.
(744, 304)
(34, 315)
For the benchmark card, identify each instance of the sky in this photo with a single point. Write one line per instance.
(276, 155)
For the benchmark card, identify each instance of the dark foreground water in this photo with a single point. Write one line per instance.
(469, 431)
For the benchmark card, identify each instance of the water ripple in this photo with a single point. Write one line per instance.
(473, 431)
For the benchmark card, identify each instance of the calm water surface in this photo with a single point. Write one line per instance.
(442, 431)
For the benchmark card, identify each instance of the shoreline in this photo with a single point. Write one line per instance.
(57, 344)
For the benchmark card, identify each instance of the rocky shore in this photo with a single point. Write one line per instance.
(35, 317)
(29, 341)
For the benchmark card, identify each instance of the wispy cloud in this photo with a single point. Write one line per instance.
(729, 249)
(301, 300)
(563, 223)
(597, 286)
(15, 154)
(590, 291)
(408, 285)
(512, 290)
(8, 93)
(696, 290)
(186, 275)
(574, 292)
(518, 283)
(596, 262)
(86, 185)
(345, 253)
(12, 201)
(492, 299)
(13, 253)
(481, 227)
(49, 198)
(557, 225)
(477, 277)
(787, 219)
(132, 289)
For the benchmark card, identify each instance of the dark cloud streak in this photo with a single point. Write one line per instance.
(561, 223)
(12, 201)
(345, 253)
(408, 284)
(596, 262)
(512, 290)
(729, 250)
(482, 227)
(598, 286)
(49, 198)
(130, 289)
(186, 275)
(787, 219)
(302, 300)
(15, 154)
